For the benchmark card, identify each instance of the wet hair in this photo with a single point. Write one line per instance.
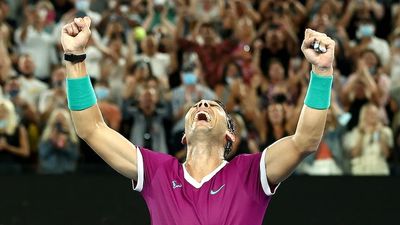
(231, 128)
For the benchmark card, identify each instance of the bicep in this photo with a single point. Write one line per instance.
(281, 159)
(115, 150)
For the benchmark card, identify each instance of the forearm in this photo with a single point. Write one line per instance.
(87, 120)
(356, 151)
(309, 129)
(385, 150)
(311, 125)
(19, 151)
(345, 20)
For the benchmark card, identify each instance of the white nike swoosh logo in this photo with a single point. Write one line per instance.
(215, 192)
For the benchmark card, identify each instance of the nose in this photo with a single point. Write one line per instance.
(203, 103)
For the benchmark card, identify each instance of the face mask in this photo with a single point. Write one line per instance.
(372, 70)
(229, 80)
(42, 14)
(82, 5)
(189, 78)
(102, 93)
(396, 43)
(366, 30)
(58, 84)
(3, 124)
(13, 93)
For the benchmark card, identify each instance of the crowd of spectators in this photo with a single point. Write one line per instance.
(151, 60)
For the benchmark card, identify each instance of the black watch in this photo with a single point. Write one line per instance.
(74, 58)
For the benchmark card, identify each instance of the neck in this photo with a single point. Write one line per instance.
(202, 158)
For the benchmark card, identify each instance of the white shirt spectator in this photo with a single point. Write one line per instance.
(159, 63)
(380, 47)
(30, 89)
(41, 46)
(93, 61)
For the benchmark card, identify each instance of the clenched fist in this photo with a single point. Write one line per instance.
(322, 61)
(75, 36)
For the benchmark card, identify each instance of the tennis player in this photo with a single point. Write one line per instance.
(206, 189)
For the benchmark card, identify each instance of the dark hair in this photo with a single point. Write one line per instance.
(365, 51)
(138, 64)
(225, 70)
(231, 128)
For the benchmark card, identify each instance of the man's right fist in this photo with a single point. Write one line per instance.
(75, 35)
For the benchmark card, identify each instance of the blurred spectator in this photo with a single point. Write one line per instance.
(14, 146)
(111, 112)
(30, 87)
(138, 75)
(55, 97)
(366, 39)
(211, 52)
(5, 63)
(26, 113)
(274, 124)
(160, 62)
(368, 83)
(58, 149)
(279, 43)
(33, 39)
(358, 10)
(230, 75)
(243, 144)
(369, 144)
(394, 66)
(148, 119)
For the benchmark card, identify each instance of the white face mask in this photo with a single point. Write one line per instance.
(3, 124)
(42, 13)
(396, 43)
(365, 30)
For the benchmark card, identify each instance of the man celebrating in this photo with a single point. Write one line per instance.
(206, 189)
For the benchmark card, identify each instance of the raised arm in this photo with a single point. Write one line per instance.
(282, 157)
(118, 152)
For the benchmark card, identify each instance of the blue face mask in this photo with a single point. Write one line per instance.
(3, 124)
(13, 93)
(82, 5)
(372, 70)
(189, 78)
(102, 93)
(366, 30)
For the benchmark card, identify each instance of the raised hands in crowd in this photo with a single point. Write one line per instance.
(150, 60)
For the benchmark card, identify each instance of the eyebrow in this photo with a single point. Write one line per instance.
(211, 103)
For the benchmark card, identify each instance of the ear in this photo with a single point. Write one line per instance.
(183, 141)
(230, 136)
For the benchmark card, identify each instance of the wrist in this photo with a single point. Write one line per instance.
(75, 70)
(75, 52)
(323, 71)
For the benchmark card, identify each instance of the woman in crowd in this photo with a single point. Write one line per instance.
(369, 143)
(14, 145)
(58, 149)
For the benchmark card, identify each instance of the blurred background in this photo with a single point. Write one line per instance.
(150, 60)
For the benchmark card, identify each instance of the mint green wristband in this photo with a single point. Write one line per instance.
(80, 93)
(319, 91)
